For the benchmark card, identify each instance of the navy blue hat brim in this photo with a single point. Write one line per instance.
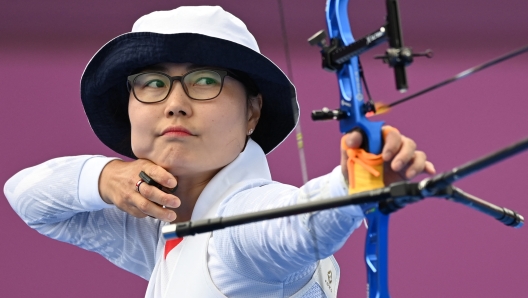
(105, 96)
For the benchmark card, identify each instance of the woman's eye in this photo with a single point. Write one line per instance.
(205, 81)
(155, 84)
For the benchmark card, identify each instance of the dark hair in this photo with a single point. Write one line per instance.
(249, 85)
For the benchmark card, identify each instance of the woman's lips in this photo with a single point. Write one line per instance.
(176, 131)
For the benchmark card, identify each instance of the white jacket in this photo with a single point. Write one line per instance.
(274, 258)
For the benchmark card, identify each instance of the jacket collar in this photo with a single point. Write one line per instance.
(250, 164)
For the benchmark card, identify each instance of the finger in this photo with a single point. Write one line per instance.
(161, 176)
(344, 165)
(155, 195)
(353, 139)
(344, 158)
(132, 210)
(404, 155)
(429, 168)
(125, 205)
(416, 165)
(393, 142)
(149, 208)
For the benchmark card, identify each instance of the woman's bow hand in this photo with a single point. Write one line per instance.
(402, 160)
(117, 185)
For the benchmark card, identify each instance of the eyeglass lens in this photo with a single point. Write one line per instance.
(199, 84)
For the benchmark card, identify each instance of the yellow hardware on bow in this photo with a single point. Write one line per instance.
(365, 170)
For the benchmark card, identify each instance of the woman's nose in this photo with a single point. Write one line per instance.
(177, 102)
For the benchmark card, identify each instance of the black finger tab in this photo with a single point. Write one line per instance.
(148, 180)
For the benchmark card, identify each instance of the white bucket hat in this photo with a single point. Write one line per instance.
(204, 35)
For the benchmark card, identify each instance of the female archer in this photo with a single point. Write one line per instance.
(189, 97)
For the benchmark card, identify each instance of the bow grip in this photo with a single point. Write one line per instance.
(365, 169)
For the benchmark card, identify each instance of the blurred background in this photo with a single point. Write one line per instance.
(437, 248)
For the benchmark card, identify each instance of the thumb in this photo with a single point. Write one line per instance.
(353, 139)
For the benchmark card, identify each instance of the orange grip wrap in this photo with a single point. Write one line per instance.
(365, 170)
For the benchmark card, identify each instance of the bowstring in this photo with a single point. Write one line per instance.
(298, 133)
(289, 72)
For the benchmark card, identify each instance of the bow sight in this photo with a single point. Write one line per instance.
(397, 56)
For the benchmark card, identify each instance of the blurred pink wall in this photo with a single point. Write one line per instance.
(437, 248)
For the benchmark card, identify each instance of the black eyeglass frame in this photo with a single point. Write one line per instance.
(222, 72)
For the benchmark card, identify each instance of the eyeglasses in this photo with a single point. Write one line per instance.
(198, 84)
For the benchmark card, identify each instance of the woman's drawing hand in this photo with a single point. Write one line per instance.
(117, 185)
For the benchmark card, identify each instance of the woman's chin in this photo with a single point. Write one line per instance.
(182, 163)
(175, 167)
(169, 157)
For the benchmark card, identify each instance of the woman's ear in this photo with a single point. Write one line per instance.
(254, 107)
